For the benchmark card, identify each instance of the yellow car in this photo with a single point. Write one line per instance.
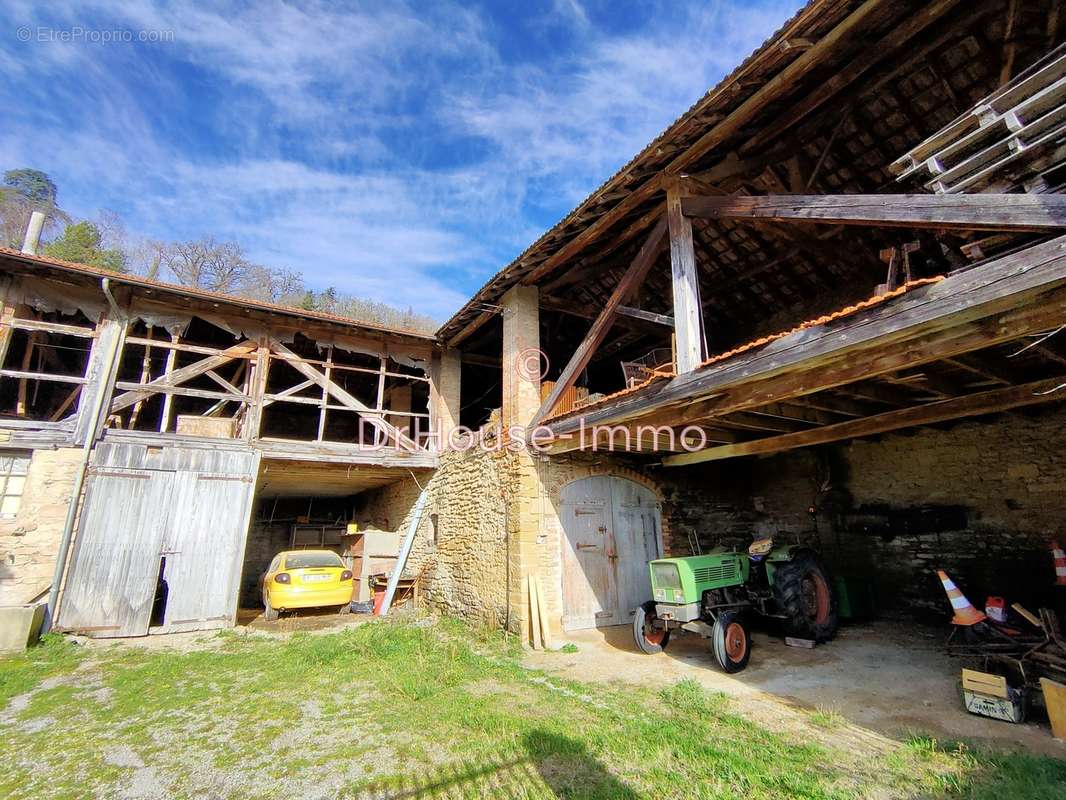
(306, 579)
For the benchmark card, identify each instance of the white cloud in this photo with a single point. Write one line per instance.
(340, 137)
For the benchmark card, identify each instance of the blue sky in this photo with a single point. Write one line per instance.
(400, 151)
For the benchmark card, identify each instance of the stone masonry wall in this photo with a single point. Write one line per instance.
(29, 543)
(977, 499)
(464, 565)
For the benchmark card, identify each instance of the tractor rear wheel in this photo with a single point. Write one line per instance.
(649, 638)
(805, 597)
(730, 642)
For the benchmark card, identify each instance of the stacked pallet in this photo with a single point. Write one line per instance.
(1009, 140)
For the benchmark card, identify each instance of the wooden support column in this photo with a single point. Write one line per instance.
(146, 375)
(688, 329)
(257, 383)
(322, 410)
(168, 399)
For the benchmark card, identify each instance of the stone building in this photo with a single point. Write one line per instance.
(824, 304)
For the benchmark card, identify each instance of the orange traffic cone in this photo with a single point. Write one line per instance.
(1060, 563)
(965, 613)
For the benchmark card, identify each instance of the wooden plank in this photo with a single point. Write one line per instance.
(984, 683)
(648, 316)
(628, 283)
(1013, 212)
(952, 317)
(989, 402)
(177, 376)
(47, 327)
(183, 391)
(110, 335)
(29, 375)
(534, 615)
(470, 328)
(542, 615)
(688, 327)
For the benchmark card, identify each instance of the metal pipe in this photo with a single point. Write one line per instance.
(83, 465)
(33, 234)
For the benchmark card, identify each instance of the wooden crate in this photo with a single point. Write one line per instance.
(989, 696)
(207, 427)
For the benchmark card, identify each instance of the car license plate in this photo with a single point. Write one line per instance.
(315, 578)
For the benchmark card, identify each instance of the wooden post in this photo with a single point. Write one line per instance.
(168, 399)
(146, 375)
(258, 381)
(687, 326)
(325, 394)
(27, 359)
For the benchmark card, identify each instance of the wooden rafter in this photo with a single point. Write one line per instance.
(1015, 212)
(989, 402)
(628, 283)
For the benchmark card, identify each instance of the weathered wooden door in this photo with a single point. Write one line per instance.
(182, 509)
(203, 549)
(611, 528)
(637, 541)
(114, 568)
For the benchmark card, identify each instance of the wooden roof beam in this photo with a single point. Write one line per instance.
(1005, 212)
(602, 325)
(989, 402)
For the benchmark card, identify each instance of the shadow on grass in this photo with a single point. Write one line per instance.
(561, 764)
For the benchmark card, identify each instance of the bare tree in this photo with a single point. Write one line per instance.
(207, 264)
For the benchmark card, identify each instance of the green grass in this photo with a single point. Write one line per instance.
(427, 710)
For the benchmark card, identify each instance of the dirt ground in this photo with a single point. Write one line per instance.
(888, 678)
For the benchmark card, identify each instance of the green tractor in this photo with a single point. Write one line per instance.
(713, 594)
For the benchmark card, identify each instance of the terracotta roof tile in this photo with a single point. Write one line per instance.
(847, 311)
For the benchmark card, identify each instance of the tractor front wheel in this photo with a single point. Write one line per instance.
(649, 638)
(730, 642)
(803, 594)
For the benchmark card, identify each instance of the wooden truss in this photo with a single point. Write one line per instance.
(932, 355)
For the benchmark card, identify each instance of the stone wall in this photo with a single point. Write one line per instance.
(29, 543)
(460, 549)
(978, 499)
(467, 572)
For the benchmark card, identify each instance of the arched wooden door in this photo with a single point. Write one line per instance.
(612, 529)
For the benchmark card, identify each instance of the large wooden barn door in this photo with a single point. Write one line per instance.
(114, 569)
(612, 530)
(176, 511)
(203, 549)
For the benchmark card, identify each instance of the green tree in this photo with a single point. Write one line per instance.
(308, 301)
(22, 192)
(82, 244)
(32, 184)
